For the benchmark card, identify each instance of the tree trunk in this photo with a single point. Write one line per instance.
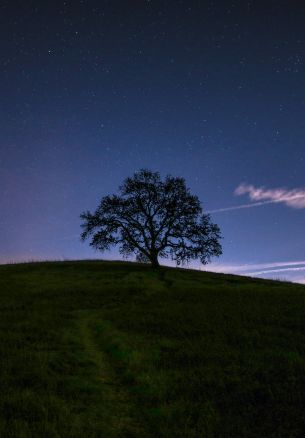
(154, 260)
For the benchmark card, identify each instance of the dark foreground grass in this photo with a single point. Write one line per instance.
(97, 349)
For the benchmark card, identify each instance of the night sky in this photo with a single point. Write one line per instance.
(92, 91)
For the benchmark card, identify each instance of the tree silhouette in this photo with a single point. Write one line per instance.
(152, 218)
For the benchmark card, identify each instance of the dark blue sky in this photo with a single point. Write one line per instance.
(91, 91)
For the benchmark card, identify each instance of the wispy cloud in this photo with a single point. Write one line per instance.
(294, 198)
(269, 270)
(218, 267)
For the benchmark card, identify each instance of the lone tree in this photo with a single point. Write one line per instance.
(152, 218)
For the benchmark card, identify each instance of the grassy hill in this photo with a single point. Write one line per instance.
(107, 349)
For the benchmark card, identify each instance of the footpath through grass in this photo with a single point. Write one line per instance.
(105, 349)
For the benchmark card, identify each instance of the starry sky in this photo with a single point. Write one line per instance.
(92, 91)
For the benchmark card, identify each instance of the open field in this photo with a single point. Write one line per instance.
(108, 349)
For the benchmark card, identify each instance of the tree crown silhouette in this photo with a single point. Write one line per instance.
(153, 218)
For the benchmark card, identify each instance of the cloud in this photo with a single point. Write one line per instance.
(294, 198)
(227, 268)
(267, 270)
(270, 271)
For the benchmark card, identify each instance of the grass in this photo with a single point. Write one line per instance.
(106, 349)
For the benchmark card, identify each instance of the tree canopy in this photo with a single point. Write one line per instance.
(153, 218)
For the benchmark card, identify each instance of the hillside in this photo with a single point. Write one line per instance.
(94, 349)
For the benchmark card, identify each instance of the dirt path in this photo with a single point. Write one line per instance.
(120, 409)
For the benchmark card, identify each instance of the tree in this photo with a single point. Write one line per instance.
(152, 218)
